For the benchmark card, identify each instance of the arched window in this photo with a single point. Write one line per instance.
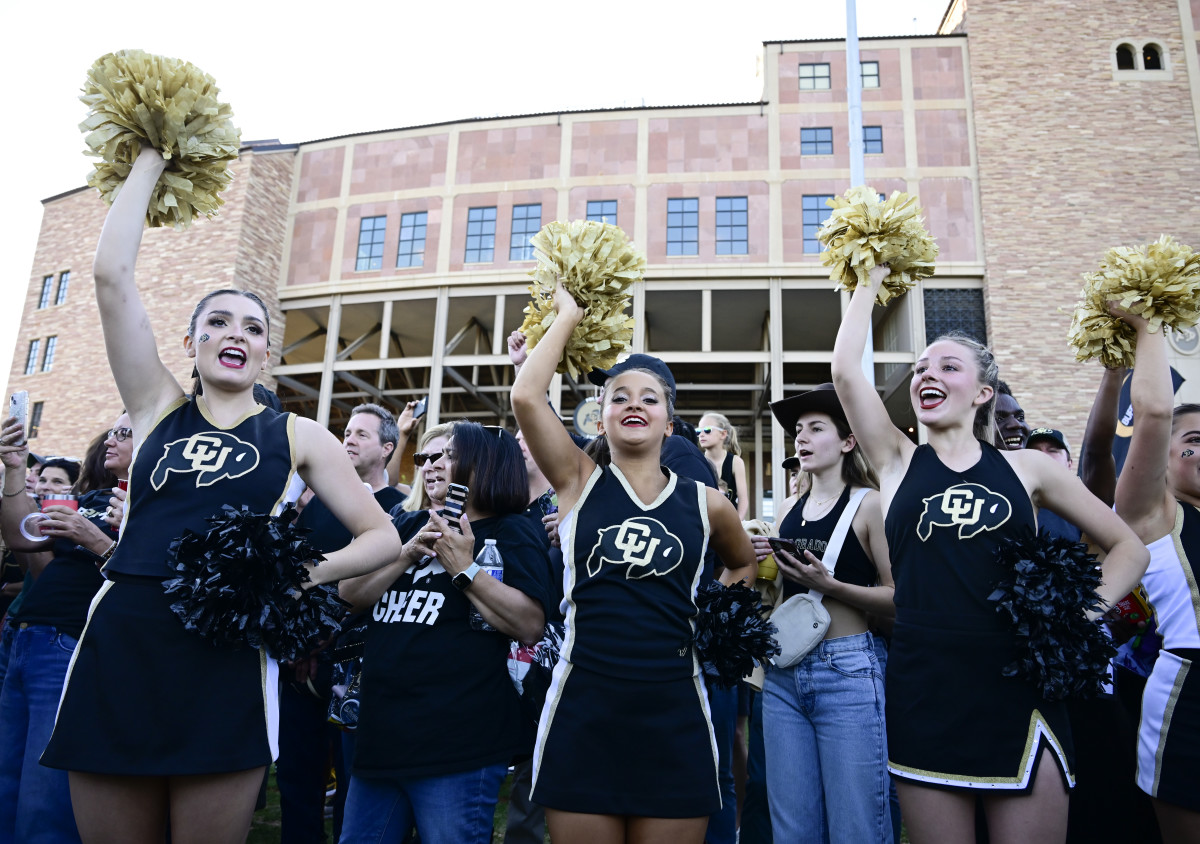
(1151, 57)
(1125, 57)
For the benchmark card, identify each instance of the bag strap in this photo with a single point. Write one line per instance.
(838, 538)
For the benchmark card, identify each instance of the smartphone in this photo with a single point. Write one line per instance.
(788, 545)
(419, 410)
(18, 406)
(456, 502)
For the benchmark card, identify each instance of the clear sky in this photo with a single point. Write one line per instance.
(303, 71)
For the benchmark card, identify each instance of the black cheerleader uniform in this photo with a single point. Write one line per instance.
(626, 727)
(952, 719)
(144, 696)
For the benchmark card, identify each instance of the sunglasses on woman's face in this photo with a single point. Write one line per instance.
(707, 430)
(421, 458)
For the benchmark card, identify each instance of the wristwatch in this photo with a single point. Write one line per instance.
(466, 577)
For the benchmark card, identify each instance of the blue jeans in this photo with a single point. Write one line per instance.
(451, 809)
(35, 802)
(7, 633)
(722, 824)
(826, 745)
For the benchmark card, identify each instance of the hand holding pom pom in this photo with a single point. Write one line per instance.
(731, 636)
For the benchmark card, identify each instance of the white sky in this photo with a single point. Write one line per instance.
(302, 71)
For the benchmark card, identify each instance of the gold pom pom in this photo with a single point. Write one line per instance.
(863, 232)
(1159, 282)
(597, 264)
(135, 98)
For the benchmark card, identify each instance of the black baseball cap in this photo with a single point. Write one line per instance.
(822, 399)
(790, 463)
(637, 361)
(1053, 434)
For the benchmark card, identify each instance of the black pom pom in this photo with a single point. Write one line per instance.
(1053, 585)
(241, 585)
(731, 635)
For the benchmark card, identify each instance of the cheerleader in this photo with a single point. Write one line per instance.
(158, 726)
(956, 727)
(625, 750)
(1157, 494)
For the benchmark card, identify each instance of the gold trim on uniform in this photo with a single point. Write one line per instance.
(1165, 730)
(1188, 574)
(202, 406)
(568, 550)
(547, 720)
(1037, 724)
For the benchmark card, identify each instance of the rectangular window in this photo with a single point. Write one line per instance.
(63, 281)
(815, 213)
(35, 420)
(816, 141)
(526, 221)
(370, 243)
(602, 210)
(731, 225)
(870, 74)
(47, 287)
(481, 235)
(683, 226)
(412, 239)
(872, 139)
(814, 77)
(48, 360)
(31, 359)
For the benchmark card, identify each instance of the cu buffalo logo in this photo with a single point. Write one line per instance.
(969, 507)
(212, 455)
(643, 544)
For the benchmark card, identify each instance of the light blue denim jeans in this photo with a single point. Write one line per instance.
(451, 809)
(35, 801)
(826, 746)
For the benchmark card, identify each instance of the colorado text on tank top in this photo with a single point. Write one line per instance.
(188, 467)
(853, 565)
(631, 577)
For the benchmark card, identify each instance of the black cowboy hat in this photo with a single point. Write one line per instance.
(822, 399)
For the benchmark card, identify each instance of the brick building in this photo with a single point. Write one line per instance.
(398, 259)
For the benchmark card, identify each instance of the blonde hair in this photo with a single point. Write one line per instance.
(418, 499)
(731, 437)
(988, 374)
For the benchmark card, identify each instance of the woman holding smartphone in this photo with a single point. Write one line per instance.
(823, 719)
(187, 726)
(440, 720)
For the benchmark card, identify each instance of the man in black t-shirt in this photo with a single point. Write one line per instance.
(304, 733)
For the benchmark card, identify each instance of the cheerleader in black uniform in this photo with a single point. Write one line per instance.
(625, 750)
(1158, 493)
(156, 722)
(956, 727)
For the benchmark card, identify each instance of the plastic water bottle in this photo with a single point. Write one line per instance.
(492, 563)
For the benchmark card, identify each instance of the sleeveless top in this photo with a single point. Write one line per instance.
(187, 467)
(728, 478)
(631, 577)
(853, 564)
(1171, 580)
(942, 530)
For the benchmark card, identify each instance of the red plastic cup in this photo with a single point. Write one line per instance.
(62, 500)
(123, 484)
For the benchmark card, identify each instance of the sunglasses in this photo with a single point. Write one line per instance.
(421, 458)
(120, 434)
(500, 432)
(708, 430)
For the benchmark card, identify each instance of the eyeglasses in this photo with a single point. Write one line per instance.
(420, 458)
(500, 432)
(707, 430)
(120, 434)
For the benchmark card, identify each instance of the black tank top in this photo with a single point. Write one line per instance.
(188, 467)
(853, 564)
(942, 531)
(728, 478)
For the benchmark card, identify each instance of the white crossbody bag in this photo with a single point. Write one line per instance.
(802, 620)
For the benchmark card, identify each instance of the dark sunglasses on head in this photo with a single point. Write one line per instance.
(500, 432)
(120, 434)
(421, 458)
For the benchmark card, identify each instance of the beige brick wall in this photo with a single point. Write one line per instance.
(239, 248)
(1071, 162)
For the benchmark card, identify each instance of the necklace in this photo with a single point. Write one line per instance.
(818, 504)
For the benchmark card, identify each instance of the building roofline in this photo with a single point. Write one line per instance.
(562, 111)
(864, 38)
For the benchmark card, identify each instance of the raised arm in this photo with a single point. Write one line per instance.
(145, 384)
(730, 540)
(885, 446)
(565, 466)
(406, 425)
(14, 452)
(1096, 464)
(1143, 498)
(323, 463)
